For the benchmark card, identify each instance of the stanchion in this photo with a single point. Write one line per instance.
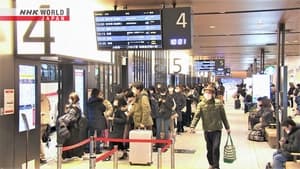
(159, 159)
(172, 155)
(115, 157)
(59, 155)
(92, 153)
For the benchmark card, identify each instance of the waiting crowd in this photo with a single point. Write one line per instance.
(165, 110)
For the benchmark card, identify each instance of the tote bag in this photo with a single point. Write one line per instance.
(229, 150)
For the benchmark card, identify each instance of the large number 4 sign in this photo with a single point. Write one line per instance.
(46, 39)
(182, 20)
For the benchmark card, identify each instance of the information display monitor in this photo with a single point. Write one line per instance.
(27, 97)
(128, 29)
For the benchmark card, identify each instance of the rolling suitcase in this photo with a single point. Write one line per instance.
(140, 153)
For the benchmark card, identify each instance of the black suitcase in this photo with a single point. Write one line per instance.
(237, 104)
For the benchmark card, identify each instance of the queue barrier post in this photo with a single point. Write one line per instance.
(59, 155)
(172, 154)
(159, 159)
(92, 153)
(115, 157)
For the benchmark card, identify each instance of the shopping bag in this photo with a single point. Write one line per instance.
(229, 151)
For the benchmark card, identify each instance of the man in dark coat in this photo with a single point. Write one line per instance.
(95, 116)
(291, 143)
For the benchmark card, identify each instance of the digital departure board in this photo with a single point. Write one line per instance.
(128, 29)
(204, 65)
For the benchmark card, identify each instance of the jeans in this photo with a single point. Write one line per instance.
(98, 133)
(213, 140)
(165, 127)
(278, 160)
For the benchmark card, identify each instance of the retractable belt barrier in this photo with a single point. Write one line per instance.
(114, 151)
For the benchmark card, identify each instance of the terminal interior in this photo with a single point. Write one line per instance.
(255, 42)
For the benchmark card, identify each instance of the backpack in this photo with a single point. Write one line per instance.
(257, 135)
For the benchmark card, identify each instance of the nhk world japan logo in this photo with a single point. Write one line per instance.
(41, 14)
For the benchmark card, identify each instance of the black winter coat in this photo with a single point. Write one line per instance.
(95, 114)
(292, 143)
(165, 105)
(118, 124)
(71, 121)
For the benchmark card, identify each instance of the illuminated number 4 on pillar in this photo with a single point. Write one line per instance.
(181, 20)
(47, 39)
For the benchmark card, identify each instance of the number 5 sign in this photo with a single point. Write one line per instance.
(176, 28)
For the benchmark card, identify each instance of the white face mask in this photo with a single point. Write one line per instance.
(207, 96)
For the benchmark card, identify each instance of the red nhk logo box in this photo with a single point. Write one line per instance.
(42, 14)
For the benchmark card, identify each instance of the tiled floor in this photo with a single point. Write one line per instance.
(250, 155)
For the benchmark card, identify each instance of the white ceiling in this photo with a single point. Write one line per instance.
(242, 27)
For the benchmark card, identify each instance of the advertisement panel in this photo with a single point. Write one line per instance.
(260, 86)
(27, 97)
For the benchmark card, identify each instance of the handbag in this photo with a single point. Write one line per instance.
(229, 151)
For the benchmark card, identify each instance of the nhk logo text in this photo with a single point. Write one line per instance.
(42, 14)
(46, 14)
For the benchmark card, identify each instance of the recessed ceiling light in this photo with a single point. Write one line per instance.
(287, 42)
(212, 27)
(295, 41)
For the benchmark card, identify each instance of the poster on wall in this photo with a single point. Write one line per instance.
(9, 101)
(79, 86)
(261, 86)
(27, 97)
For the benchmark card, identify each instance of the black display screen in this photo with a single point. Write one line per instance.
(127, 29)
(177, 28)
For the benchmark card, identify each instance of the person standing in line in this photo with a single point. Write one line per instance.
(141, 109)
(95, 116)
(118, 121)
(163, 118)
(212, 113)
(69, 128)
(180, 100)
(45, 120)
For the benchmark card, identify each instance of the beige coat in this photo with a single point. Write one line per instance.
(141, 111)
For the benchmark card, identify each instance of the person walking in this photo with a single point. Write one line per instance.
(212, 113)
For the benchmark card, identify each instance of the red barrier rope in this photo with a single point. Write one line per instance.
(66, 148)
(133, 140)
(167, 142)
(105, 155)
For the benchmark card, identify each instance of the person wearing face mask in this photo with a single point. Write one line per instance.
(288, 144)
(213, 115)
(141, 109)
(69, 127)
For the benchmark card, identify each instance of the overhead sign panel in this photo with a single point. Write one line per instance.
(176, 28)
(204, 65)
(128, 29)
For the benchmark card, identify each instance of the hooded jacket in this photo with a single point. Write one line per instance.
(95, 113)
